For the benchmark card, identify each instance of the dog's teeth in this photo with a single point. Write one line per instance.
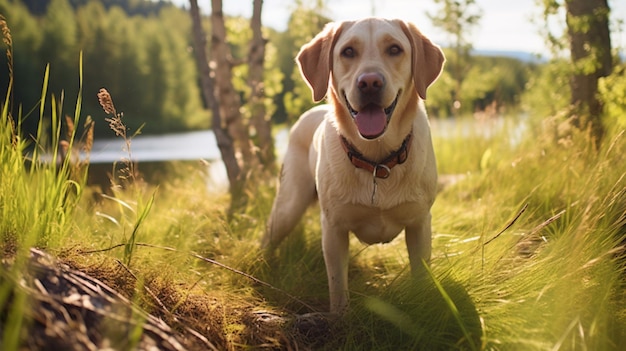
(353, 112)
(389, 110)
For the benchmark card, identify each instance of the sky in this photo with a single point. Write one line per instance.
(505, 25)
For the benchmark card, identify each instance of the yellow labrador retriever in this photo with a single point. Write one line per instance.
(368, 155)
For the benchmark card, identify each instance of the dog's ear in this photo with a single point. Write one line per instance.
(315, 60)
(427, 58)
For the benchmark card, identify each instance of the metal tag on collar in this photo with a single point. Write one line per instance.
(375, 175)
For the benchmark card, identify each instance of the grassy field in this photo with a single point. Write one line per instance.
(528, 249)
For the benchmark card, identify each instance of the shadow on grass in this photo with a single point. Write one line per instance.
(296, 268)
(415, 314)
(402, 313)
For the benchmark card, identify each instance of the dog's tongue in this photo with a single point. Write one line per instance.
(371, 121)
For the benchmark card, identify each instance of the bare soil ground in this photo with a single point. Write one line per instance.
(72, 309)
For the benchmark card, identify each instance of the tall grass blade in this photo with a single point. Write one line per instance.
(129, 248)
(41, 125)
(452, 306)
(395, 316)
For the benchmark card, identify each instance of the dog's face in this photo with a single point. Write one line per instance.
(370, 63)
(375, 68)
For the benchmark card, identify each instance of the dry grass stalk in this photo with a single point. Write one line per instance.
(88, 137)
(78, 163)
(115, 121)
(106, 102)
(8, 41)
(116, 124)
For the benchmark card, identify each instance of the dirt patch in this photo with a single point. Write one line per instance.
(93, 308)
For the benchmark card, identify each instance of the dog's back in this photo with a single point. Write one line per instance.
(297, 180)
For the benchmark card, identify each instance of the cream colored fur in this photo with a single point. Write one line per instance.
(316, 165)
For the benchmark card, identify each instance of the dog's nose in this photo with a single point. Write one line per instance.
(370, 82)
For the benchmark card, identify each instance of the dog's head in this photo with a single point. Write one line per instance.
(374, 67)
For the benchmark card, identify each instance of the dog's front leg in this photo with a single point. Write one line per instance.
(335, 245)
(418, 238)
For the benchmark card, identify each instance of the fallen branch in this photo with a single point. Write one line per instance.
(214, 262)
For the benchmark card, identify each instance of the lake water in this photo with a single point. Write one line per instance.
(202, 145)
(189, 146)
(198, 145)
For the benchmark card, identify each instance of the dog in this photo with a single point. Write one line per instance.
(367, 155)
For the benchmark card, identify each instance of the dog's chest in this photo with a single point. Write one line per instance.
(361, 188)
(372, 225)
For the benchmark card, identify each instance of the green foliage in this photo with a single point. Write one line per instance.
(239, 35)
(548, 89)
(553, 31)
(132, 7)
(490, 82)
(304, 23)
(145, 61)
(457, 19)
(146, 65)
(26, 42)
(439, 97)
(613, 95)
(60, 34)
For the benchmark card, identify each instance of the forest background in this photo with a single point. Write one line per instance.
(142, 52)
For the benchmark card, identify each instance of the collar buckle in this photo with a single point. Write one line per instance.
(380, 169)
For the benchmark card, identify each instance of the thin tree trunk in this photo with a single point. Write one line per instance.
(590, 49)
(224, 140)
(229, 100)
(260, 121)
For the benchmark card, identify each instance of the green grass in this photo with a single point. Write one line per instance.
(527, 249)
(37, 201)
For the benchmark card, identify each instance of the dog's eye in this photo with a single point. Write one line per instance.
(394, 50)
(348, 52)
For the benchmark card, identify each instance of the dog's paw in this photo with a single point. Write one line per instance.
(315, 328)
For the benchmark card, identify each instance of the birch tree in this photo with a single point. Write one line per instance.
(229, 99)
(259, 118)
(224, 140)
(246, 143)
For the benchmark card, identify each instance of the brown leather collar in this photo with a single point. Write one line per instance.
(380, 169)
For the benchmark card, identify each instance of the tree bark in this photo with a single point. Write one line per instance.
(259, 119)
(229, 100)
(224, 140)
(590, 50)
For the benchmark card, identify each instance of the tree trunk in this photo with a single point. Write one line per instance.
(229, 100)
(260, 121)
(224, 140)
(590, 49)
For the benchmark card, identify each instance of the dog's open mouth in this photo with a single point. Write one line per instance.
(372, 120)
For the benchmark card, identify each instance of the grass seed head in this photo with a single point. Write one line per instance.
(106, 102)
(7, 40)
